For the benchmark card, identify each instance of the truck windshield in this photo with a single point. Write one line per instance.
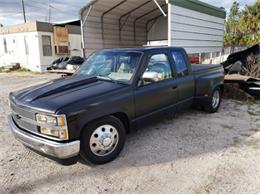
(116, 65)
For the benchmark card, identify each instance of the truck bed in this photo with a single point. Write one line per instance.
(196, 68)
(206, 76)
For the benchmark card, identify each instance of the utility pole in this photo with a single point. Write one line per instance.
(24, 17)
(49, 13)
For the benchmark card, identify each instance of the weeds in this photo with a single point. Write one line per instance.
(22, 70)
(6, 70)
(2, 69)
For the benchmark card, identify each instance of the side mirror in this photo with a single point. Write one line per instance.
(150, 77)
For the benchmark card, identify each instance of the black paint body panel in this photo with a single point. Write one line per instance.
(85, 99)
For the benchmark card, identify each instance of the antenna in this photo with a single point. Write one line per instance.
(49, 13)
(24, 16)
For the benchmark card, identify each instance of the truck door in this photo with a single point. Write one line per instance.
(161, 94)
(185, 80)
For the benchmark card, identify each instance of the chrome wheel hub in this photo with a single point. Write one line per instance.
(215, 99)
(104, 140)
(107, 141)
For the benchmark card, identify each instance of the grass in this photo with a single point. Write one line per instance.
(4, 70)
(245, 102)
(22, 70)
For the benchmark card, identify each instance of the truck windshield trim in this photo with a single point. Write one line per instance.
(118, 66)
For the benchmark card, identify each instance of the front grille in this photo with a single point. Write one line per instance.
(24, 118)
(22, 111)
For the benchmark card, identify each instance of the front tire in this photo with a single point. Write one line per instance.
(102, 140)
(215, 100)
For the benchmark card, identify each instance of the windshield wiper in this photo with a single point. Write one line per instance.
(105, 76)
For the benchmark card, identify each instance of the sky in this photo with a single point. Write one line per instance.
(11, 10)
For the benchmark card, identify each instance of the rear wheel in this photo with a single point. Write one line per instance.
(215, 100)
(102, 140)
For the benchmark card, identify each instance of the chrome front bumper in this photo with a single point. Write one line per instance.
(51, 148)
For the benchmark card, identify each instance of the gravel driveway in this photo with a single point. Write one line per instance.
(192, 152)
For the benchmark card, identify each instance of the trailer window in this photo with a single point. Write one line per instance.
(5, 45)
(180, 63)
(46, 45)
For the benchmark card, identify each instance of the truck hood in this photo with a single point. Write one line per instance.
(53, 95)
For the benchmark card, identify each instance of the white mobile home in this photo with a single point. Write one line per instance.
(36, 44)
(194, 25)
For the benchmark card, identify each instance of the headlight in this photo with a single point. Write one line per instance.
(59, 133)
(52, 120)
(54, 126)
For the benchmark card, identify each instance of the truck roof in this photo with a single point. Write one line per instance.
(140, 49)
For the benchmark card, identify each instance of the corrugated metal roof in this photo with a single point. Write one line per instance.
(121, 7)
(132, 4)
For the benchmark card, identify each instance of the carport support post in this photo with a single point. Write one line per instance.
(128, 15)
(102, 18)
(121, 27)
(142, 17)
(148, 29)
(82, 22)
(147, 24)
(82, 39)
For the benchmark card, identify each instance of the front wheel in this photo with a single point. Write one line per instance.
(102, 140)
(215, 100)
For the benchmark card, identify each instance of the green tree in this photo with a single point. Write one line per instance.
(233, 34)
(250, 21)
(243, 27)
(233, 19)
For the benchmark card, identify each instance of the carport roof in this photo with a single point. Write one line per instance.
(137, 8)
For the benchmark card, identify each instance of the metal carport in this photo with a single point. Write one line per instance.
(192, 24)
(120, 23)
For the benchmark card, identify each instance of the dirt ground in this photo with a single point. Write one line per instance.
(192, 152)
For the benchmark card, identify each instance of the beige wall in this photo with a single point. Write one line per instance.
(19, 28)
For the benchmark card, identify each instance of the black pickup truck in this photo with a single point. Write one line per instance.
(89, 113)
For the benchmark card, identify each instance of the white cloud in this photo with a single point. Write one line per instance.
(228, 3)
(11, 10)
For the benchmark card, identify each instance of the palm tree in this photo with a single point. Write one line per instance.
(250, 20)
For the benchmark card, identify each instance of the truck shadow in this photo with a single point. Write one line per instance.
(188, 134)
(191, 133)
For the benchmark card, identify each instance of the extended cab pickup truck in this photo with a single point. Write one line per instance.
(88, 114)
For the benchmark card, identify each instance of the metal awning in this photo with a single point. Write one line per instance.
(140, 11)
(122, 8)
(123, 23)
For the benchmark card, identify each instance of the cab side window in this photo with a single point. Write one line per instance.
(180, 63)
(158, 69)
